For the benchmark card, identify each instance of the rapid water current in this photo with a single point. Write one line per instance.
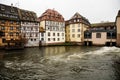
(61, 63)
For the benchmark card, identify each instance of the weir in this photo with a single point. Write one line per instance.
(61, 63)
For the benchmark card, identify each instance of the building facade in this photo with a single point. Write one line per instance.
(9, 27)
(29, 28)
(101, 34)
(75, 28)
(53, 25)
(118, 28)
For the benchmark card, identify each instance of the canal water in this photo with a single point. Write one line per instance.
(61, 63)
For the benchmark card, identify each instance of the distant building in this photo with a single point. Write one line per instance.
(101, 34)
(29, 27)
(53, 24)
(118, 28)
(75, 28)
(9, 27)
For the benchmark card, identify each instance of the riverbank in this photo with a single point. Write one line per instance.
(62, 44)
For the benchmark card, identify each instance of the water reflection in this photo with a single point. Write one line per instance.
(1, 56)
(50, 51)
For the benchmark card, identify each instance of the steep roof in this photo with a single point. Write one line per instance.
(77, 18)
(9, 12)
(76, 15)
(52, 15)
(105, 24)
(26, 15)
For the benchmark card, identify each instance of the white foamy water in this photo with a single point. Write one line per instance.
(100, 52)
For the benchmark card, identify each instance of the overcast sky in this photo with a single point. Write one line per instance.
(94, 10)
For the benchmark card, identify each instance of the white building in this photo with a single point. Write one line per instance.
(52, 28)
(29, 28)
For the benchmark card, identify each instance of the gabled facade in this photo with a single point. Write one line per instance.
(29, 28)
(75, 28)
(53, 25)
(101, 34)
(118, 28)
(9, 27)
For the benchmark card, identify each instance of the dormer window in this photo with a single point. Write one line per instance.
(74, 20)
(2, 7)
(12, 10)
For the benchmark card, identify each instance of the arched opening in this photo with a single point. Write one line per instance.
(88, 43)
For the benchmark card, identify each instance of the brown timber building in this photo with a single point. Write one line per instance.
(9, 27)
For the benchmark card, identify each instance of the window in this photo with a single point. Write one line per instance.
(11, 27)
(48, 39)
(98, 35)
(3, 40)
(53, 34)
(48, 28)
(42, 34)
(42, 39)
(17, 28)
(87, 35)
(53, 39)
(30, 34)
(2, 28)
(34, 39)
(31, 28)
(74, 20)
(78, 30)
(58, 39)
(111, 35)
(53, 28)
(36, 35)
(11, 22)
(2, 7)
(58, 34)
(62, 34)
(2, 33)
(17, 23)
(78, 35)
(11, 34)
(36, 29)
(73, 35)
(17, 34)
(12, 10)
(79, 25)
(31, 39)
(47, 22)
(36, 24)
(73, 30)
(24, 28)
(2, 21)
(48, 33)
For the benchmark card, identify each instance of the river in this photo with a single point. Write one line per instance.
(61, 63)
